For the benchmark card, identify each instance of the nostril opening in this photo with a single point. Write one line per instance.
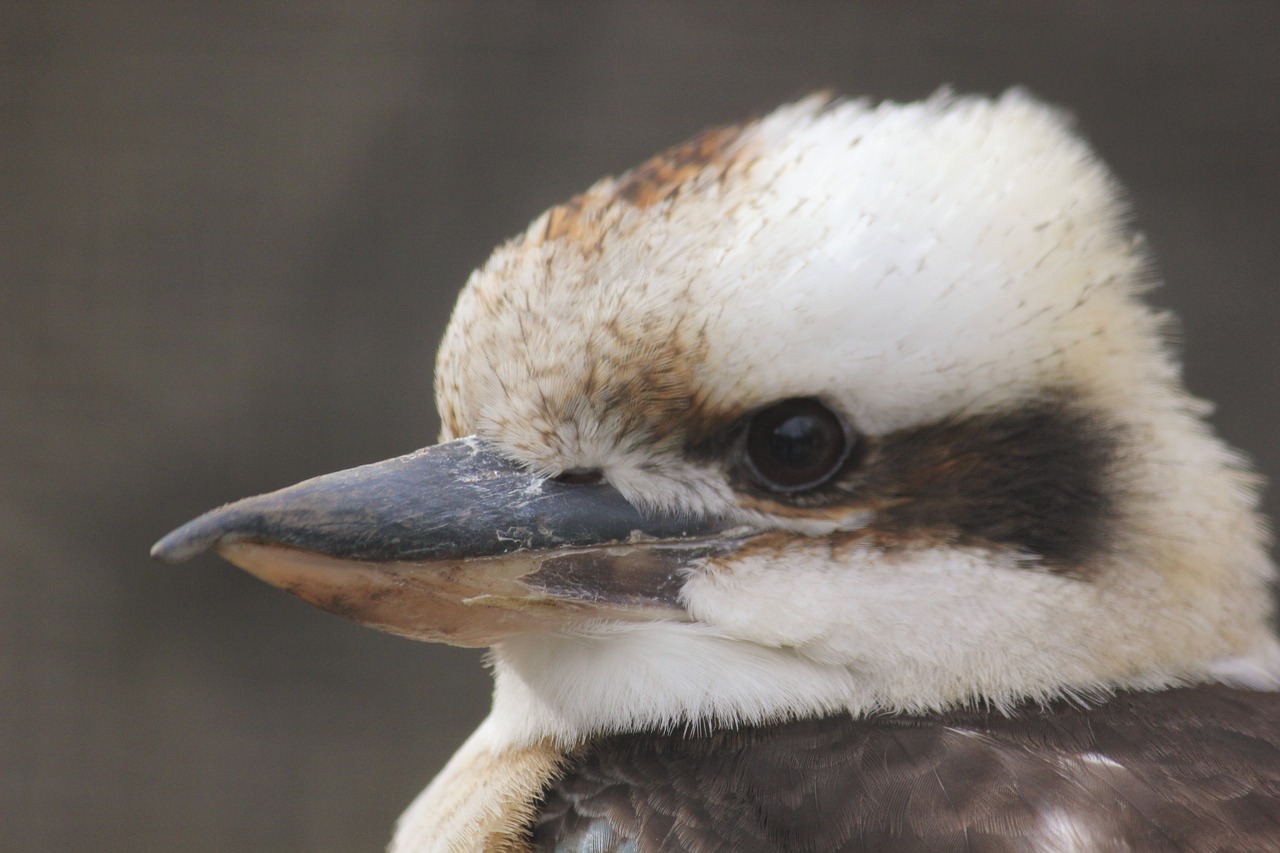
(580, 477)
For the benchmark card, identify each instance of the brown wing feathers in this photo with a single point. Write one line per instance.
(1192, 769)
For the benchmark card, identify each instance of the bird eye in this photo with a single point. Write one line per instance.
(795, 445)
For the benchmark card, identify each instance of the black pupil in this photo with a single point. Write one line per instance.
(799, 442)
(795, 445)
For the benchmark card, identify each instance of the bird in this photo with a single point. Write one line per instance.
(823, 483)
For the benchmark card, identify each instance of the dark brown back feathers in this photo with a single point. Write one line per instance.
(1195, 769)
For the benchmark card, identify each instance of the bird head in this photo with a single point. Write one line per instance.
(851, 408)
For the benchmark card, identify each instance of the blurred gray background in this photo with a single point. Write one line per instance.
(231, 234)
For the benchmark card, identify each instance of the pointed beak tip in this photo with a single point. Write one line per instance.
(184, 543)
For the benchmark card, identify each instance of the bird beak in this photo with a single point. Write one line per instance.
(457, 544)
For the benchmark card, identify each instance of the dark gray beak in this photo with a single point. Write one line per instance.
(456, 543)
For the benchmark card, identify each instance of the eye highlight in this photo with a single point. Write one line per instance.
(796, 445)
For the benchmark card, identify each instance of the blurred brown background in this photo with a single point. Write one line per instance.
(230, 236)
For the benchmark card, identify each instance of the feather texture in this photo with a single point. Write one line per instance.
(1193, 769)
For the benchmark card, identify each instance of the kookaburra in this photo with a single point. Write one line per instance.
(821, 484)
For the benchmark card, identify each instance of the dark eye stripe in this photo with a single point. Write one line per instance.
(1043, 478)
